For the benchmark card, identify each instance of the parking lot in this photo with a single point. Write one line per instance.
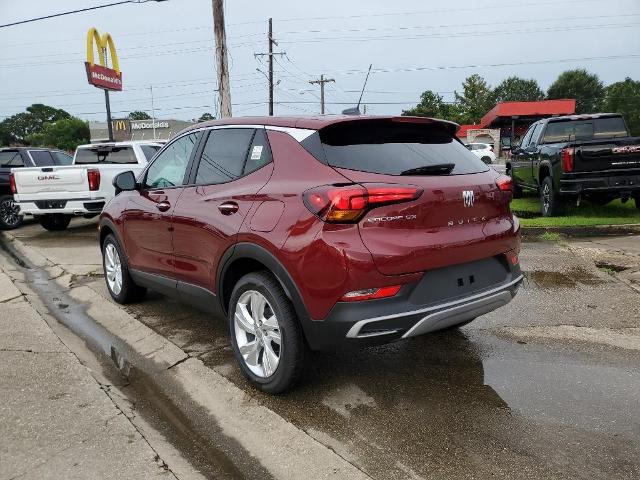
(546, 387)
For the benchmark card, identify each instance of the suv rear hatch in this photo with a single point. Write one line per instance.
(461, 215)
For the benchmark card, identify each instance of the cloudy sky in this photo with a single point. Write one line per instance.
(413, 45)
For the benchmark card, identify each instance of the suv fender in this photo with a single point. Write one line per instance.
(251, 251)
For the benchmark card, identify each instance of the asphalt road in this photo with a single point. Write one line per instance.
(546, 387)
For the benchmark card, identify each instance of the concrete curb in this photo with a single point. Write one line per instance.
(280, 447)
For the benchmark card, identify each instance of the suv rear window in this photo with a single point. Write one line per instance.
(587, 129)
(105, 154)
(390, 148)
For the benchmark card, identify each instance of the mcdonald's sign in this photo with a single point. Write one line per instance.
(121, 129)
(99, 75)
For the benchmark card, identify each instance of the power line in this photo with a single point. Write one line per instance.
(20, 22)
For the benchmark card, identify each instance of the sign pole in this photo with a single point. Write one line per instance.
(109, 126)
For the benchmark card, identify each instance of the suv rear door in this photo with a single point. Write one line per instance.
(444, 222)
(234, 165)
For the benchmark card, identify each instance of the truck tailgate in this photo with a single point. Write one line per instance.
(37, 180)
(607, 155)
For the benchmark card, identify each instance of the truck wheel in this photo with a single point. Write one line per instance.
(486, 160)
(265, 333)
(637, 200)
(517, 191)
(55, 222)
(10, 217)
(121, 286)
(550, 204)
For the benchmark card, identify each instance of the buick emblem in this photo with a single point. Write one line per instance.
(468, 198)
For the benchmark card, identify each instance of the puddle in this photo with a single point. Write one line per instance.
(552, 279)
(611, 267)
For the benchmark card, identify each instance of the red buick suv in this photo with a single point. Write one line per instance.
(318, 232)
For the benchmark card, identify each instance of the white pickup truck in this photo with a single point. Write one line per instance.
(55, 194)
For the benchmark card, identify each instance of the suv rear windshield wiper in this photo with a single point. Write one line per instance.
(436, 169)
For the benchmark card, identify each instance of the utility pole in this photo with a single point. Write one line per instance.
(107, 102)
(270, 54)
(221, 58)
(321, 82)
(153, 113)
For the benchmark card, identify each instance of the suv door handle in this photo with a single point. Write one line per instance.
(163, 206)
(228, 208)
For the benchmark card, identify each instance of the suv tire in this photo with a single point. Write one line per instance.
(121, 286)
(255, 335)
(55, 222)
(486, 160)
(10, 217)
(636, 199)
(550, 204)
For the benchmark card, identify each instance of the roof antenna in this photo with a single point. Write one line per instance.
(356, 110)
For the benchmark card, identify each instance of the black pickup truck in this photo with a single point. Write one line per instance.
(569, 158)
(16, 157)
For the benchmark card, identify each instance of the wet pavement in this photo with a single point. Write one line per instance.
(517, 393)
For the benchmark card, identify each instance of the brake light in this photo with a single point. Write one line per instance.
(505, 183)
(371, 294)
(567, 159)
(12, 184)
(512, 256)
(347, 204)
(93, 176)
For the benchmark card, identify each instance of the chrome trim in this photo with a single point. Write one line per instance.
(355, 329)
(459, 314)
(298, 133)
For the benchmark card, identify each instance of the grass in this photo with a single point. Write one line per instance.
(551, 236)
(587, 214)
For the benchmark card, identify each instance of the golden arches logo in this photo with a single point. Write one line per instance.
(120, 125)
(101, 42)
(99, 74)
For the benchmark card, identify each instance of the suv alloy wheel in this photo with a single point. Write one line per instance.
(265, 333)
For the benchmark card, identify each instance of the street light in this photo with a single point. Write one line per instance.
(77, 11)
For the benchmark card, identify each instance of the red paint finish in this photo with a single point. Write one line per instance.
(146, 231)
(389, 246)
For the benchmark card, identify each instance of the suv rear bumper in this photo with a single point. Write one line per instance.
(382, 321)
(600, 182)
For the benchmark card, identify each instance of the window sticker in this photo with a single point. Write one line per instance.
(256, 152)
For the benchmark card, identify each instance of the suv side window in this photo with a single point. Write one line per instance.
(224, 155)
(169, 168)
(259, 154)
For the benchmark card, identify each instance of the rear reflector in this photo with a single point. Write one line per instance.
(371, 294)
(512, 256)
(567, 159)
(93, 176)
(347, 204)
(12, 184)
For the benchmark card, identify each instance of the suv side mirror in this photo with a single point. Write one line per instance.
(124, 182)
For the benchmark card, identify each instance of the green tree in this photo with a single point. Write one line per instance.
(624, 97)
(18, 127)
(516, 89)
(585, 87)
(65, 134)
(432, 105)
(139, 115)
(476, 99)
(205, 117)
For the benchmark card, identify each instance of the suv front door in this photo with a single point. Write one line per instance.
(147, 218)
(234, 165)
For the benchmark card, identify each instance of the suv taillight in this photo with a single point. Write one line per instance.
(93, 176)
(505, 183)
(12, 184)
(567, 159)
(347, 204)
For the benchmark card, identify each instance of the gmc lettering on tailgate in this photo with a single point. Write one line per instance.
(627, 149)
